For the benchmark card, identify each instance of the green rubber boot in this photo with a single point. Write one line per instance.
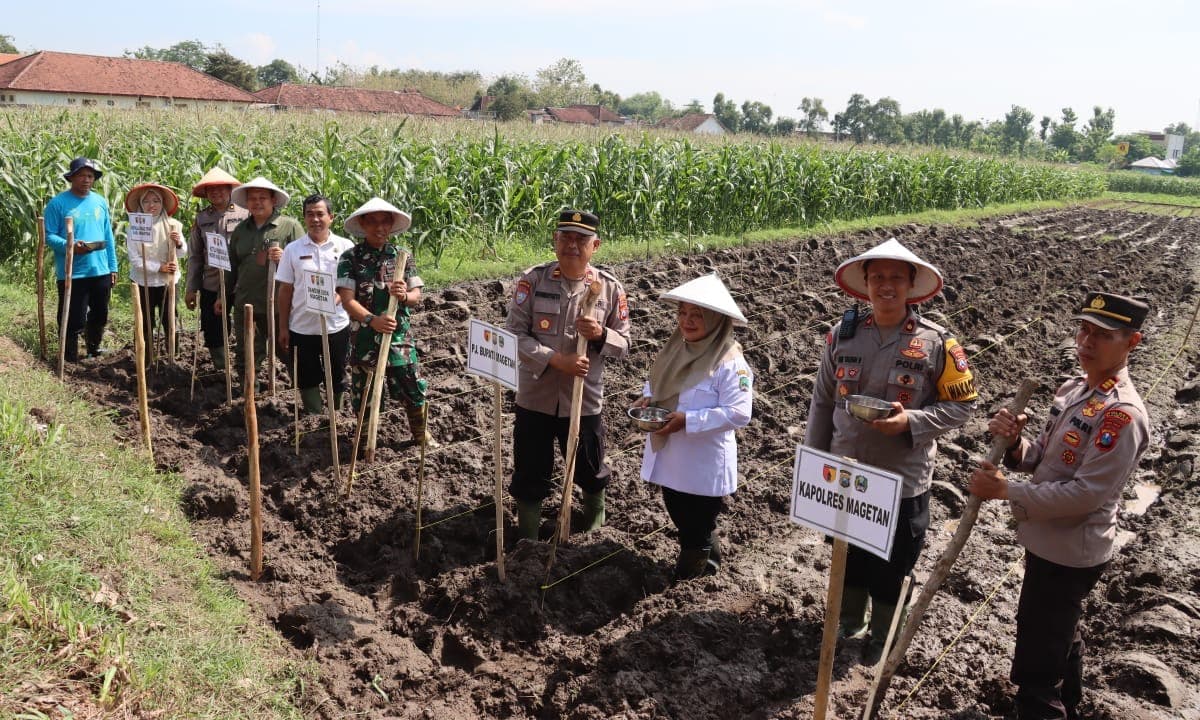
(853, 622)
(881, 621)
(529, 520)
(338, 399)
(593, 511)
(310, 398)
(218, 358)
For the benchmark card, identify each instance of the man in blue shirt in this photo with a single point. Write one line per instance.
(94, 268)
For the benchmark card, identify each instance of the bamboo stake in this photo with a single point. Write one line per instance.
(224, 317)
(421, 483)
(41, 286)
(139, 361)
(149, 314)
(195, 357)
(169, 303)
(385, 346)
(498, 455)
(333, 432)
(65, 315)
(271, 267)
(833, 613)
(362, 413)
(878, 671)
(256, 552)
(296, 399)
(942, 569)
(564, 512)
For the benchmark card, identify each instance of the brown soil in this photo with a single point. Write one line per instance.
(438, 636)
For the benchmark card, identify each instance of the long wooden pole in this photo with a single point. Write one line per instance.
(65, 315)
(296, 399)
(195, 355)
(333, 431)
(421, 482)
(385, 346)
(41, 286)
(498, 457)
(564, 512)
(833, 613)
(271, 267)
(224, 319)
(362, 413)
(942, 568)
(149, 314)
(169, 302)
(878, 672)
(139, 361)
(252, 448)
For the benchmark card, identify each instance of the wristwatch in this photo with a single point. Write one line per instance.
(367, 319)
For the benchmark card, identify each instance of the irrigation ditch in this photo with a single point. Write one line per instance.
(606, 634)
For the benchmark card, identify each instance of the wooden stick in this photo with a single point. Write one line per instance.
(942, 568)
(564, 512)
(833, 613)
(385, 346)
(65, 315)
(41, 286)
(271, 266)
(296, 399)
(169, 303)
(498, 456)
(421, 484)
(139, 361)
(149, 314)
(878, 672)
(195, 356)
(224, 318)
(333, 432)
(362, 413)
(256, 552)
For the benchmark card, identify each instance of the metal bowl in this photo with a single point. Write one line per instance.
(649, 419)
(867, 408)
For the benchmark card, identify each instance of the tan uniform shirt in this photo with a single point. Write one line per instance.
(920, 366)
(1067, 512)
(209, 220)
(542, 315)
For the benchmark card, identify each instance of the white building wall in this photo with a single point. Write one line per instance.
(710, 126)
(28, 97)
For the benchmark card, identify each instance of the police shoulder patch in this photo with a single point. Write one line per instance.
(521, 293)
(956, 383)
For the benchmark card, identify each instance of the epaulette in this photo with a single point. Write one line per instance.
(606, 273)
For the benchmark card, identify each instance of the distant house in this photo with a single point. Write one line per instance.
(71, 80)
(481, 109)
(1151, 165)
(699, 123)
(346, 99)
(5, 57)
(577, 115)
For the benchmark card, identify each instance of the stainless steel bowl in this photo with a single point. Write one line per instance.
(649, 419)
(867, 408)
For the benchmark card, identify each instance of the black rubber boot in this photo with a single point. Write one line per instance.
(310, 398)
(881, 621)
(529, 519)
(691, 563)
(71, 349)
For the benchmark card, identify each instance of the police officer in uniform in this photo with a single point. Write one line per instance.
(544, 315)
(220, 218)
(892, 353)
(1067, 512)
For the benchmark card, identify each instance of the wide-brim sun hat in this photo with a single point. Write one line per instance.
(401, 220)
(214, 178)
(707, 291)
(133, 198)
(238, 196)
(850, 277)
(80, 163)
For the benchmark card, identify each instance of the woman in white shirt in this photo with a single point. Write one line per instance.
(701, 377)
(154, 265)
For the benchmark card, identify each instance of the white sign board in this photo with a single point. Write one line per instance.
(319, 294)
(492, 353)
(218, 251)
(848, 500)
(141, 228)
(1174, 147)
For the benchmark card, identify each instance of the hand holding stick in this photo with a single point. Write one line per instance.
(385, 347)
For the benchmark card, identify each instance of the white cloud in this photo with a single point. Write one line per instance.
(834, 17)
(255, 48)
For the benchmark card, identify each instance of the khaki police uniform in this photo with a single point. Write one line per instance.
(542, 314)
(203, 278)
(919, 365)
(1067, 520)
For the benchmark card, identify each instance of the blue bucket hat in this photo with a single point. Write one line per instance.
(80, 163)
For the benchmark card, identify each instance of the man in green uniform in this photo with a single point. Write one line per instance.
(255, 242)
(364, 282)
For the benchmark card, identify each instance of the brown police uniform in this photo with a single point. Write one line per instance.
(203, 278)
(919, 365)
(542, 315)
(1067, 520)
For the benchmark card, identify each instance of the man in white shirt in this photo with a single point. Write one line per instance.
(299, 327)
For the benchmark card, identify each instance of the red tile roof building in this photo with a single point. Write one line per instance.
(581, 115)
(54, 78)
(345, 99)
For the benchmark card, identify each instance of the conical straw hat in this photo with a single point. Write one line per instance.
(133, 199)
(709, 292)
(238, 196)
(216, 176)
(850, 276)
(401, 220)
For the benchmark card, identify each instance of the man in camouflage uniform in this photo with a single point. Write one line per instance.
(220, 218)
(893, 354)
(364, 282)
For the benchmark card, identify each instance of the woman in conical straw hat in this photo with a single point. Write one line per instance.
(702, 378)
(153, 265)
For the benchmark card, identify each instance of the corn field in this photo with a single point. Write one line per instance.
(1136, 182)
(468, 182)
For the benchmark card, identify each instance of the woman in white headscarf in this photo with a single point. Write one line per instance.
(154, 266)
(701, 377)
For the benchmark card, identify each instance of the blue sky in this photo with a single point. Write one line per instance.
(974, 57)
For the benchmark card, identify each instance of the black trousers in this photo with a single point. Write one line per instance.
(88, 312)
(1048, 661)
(154, 312)
(534, 434)
(210, 321)
(309, 359)
(694, 516)
(883, 578)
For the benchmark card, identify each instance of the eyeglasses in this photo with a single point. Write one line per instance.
(566, 237)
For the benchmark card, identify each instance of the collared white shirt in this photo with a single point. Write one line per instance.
(300, 258)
